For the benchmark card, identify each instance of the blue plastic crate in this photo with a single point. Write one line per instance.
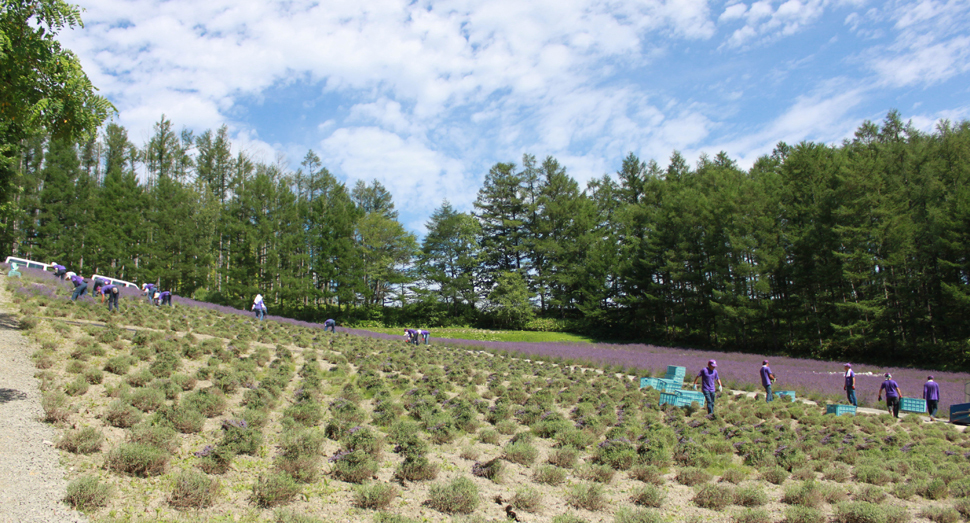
(840, 410)
(679, 400)
(960, 414)
(790, 394)
(912, 405)
(665, 385)
(650, 382)
(676, 373)
(694, 394)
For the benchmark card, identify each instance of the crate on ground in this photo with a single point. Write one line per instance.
(665, 385)
(693, 394)
(840, 410)
(960, 414)
(676, 373)
(650, 382)
(790, 394)
(677, 399)
(912, 405)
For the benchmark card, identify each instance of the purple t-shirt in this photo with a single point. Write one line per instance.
(708, 379)
(77, 280)
(891, 388)
(765, 375)
(107, 288)
(849, 376)
(165, 294)
(931, 391)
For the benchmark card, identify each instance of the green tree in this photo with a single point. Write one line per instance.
(449, 257)
(509, 301)
(43, 88)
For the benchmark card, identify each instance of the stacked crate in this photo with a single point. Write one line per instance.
(681, 398)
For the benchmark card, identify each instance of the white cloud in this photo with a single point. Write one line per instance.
(766, 22)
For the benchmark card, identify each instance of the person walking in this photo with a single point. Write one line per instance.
(111, 291)
(165, 298)
(708, 377)
(931, 393)
(767, 378)
(80, 287)
(330, 325)
(849, 386)
(892, 394)
(259, 306)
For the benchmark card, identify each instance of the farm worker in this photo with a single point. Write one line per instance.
(410, 336)
(70, 274)
(329, 325)
(157, 297)
(148, 289)
(425, 335)
(767, 378)
(111, 291)
(165, 298)
(59, 270)
(13, 272)
(849, 386)
(892, 394)
(259, 307)
(708, 376)
(931, 393)
(80, 287)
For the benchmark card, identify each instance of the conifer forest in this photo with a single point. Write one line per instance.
(853, 251)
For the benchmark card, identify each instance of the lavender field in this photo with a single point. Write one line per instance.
(200, 413)
(812, 379)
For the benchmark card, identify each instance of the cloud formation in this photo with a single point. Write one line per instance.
(425, 95)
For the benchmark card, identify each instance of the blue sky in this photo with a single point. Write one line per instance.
(425, 96)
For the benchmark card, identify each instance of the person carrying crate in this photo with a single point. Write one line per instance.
(931, 393)
(892, 394)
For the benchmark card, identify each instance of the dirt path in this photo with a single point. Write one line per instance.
(31, 478)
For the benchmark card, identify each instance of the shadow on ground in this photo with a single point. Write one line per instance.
(8, 395)
(9, 321)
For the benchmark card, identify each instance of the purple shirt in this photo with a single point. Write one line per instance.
(931, 391)
(77, 280)
(107, 288)
(165, 294)
(708, 379)
(849, 377)
(765, 375)
(891, 388)
(59, 267)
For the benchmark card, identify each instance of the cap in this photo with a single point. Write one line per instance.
(712, 363)
(764, 362)
(929, 377)
(888, 375)
(847, 365)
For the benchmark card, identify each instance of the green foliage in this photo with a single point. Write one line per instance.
(87, 493)
(460, 496)
(376, 496)
(714, 496)
(864, 512)
(271, 490)
(194, 490)
(137, 459)
(589, 496)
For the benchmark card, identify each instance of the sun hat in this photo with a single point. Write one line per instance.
(712, 363)
(847, 365)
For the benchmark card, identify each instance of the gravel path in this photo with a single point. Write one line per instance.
(32, 480)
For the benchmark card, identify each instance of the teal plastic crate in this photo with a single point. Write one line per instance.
(665, 385)
(676, 373)
(692, 394)
(840, 410)
(790, 394)
(912, 405)
(650, 382)
(679, 400)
